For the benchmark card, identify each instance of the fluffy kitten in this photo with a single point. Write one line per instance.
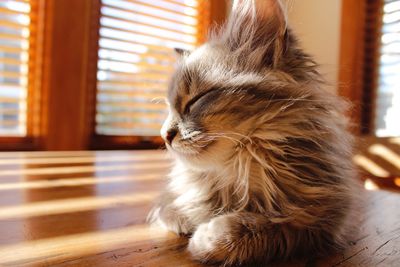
(263, 163)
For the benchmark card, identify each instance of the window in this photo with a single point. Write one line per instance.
(14, 56)
(388, 93)
(136, 58)
(92, 74)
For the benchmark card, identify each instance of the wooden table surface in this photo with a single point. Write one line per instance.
(89, 208)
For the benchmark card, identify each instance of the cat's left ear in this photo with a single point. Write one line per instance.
(181, 52)
(258, 30)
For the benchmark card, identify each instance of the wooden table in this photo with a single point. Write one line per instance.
(89, 209)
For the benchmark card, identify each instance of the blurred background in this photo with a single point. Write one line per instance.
(92, 74)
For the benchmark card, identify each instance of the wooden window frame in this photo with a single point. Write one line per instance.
(359, 48)
(65, 105)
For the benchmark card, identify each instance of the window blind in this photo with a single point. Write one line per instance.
(14, 56)
(136, 58)
(388, 93)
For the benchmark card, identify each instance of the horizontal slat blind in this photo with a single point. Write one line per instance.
(388, 94)
(14, 56)
(136, 57)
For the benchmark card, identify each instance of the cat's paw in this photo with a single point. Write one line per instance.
(169, 219)
(206, 241)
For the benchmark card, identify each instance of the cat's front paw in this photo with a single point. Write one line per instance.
(205, 244)
(170, 219)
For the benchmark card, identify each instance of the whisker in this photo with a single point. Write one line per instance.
(229, 138)
(298, 100)
(233, 133)
(158, 100)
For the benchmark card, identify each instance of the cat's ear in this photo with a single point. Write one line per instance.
(181, 52)
(258, 30)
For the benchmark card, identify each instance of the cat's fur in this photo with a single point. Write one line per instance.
(262, 155)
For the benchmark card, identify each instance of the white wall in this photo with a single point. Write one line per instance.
(317, 24)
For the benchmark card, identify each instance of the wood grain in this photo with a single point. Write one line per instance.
(97, 218)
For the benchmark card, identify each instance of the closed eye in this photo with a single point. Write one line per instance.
(196, 98)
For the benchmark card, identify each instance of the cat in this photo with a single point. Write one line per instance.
(263, 167)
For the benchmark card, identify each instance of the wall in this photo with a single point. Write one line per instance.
(317, 24)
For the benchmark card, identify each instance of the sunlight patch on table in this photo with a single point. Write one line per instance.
(74, 205)
(370, 185)
(395, 140)
(370, 166)
(82, 169)
(70, 182)
(70, 160)
(385, 153)
(73, 246)
(397, 181)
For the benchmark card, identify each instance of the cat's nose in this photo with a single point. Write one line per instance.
(171, 133)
